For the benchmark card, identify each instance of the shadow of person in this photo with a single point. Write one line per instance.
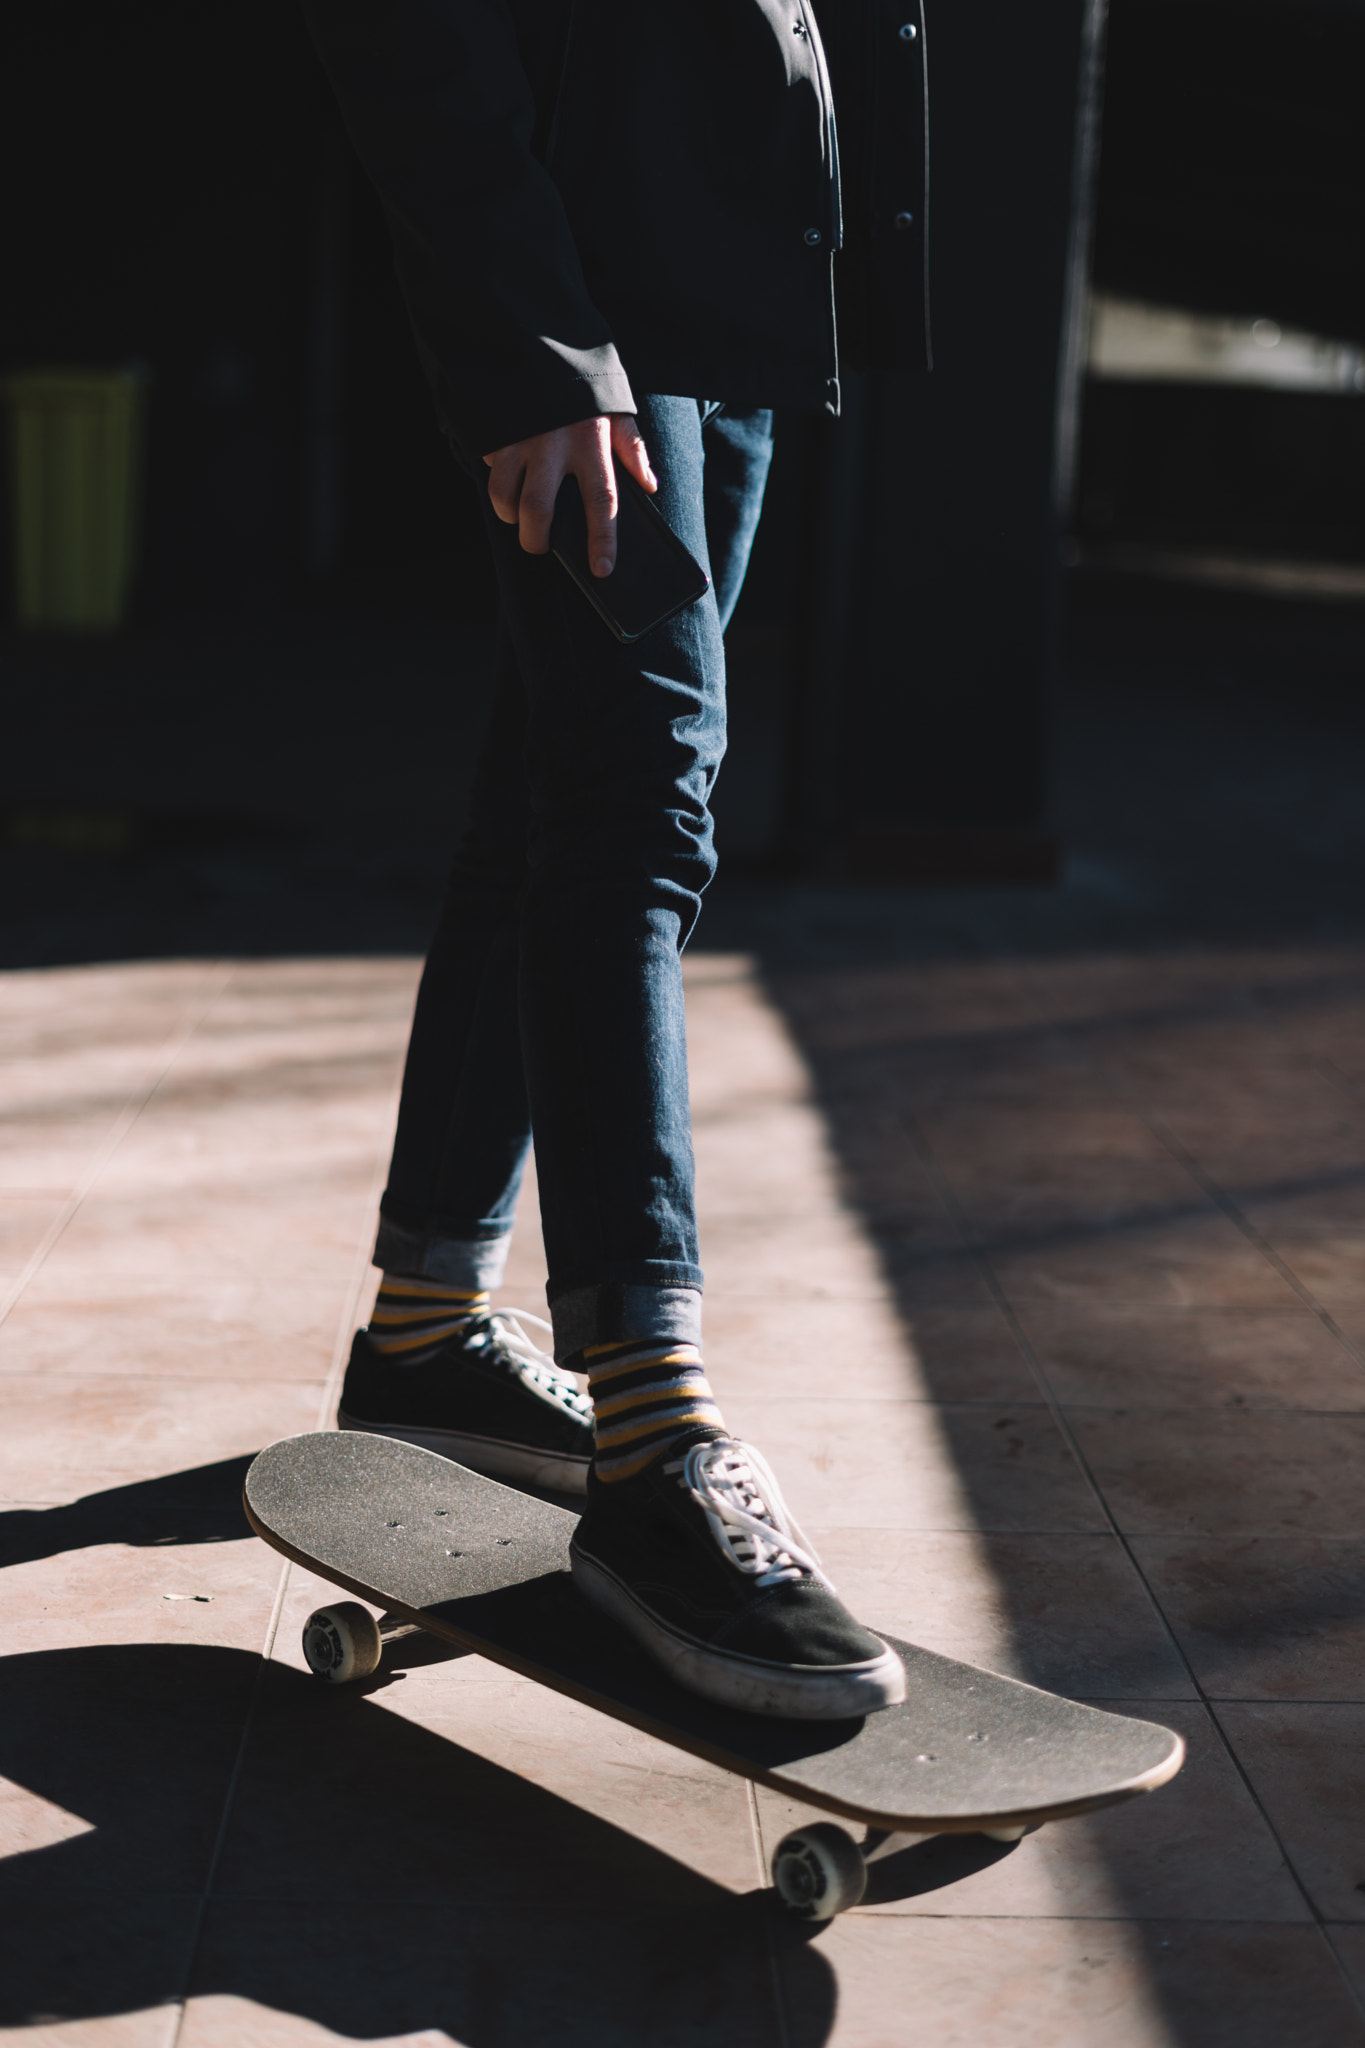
(203, 1505)
(371, 1877)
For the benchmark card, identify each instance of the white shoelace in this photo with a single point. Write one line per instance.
(749, 1519)
(533, 1367)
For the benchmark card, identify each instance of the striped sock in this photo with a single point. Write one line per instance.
(645, 1393)
(412, 1319)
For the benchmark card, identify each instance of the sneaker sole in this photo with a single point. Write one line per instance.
(489, 1455)
(844, 1693)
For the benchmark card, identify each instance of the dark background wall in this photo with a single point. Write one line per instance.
(176, 190)
(920, 532)
(1232, 181)
(1234, 158)
(934, 644)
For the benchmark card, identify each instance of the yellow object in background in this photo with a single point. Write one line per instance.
(76, 453)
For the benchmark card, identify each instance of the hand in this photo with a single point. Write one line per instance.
(526, 477)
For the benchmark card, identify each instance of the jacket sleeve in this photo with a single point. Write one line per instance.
(440, 109)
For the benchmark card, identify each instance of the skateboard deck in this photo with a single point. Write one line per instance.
(487, 1568)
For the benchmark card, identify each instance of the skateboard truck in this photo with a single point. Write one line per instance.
(820, 1870)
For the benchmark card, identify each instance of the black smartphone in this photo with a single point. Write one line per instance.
(655, 576)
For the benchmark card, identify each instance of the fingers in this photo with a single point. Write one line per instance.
(524, 480)
(630, 450)
(597, 482)
(548, 463)
(507, 467)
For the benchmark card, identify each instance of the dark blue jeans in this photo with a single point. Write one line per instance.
(552, 997)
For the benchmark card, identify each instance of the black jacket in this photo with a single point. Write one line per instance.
(586, 194)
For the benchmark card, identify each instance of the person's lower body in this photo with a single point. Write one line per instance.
(552, 1003)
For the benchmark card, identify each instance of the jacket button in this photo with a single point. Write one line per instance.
(909, 32)
(813, 238)
(904, 221)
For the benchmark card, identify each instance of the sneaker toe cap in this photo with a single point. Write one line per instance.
(802, 1623)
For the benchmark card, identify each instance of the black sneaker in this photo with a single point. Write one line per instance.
(488, 1398)
(699, 1559)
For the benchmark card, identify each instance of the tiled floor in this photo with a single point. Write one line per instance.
(1040, 1281)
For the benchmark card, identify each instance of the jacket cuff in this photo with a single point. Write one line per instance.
(567, 386)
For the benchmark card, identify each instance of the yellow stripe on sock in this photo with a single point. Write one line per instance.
(688, 1354)
(628, 1468)
(430, 1290)
(693, 1388)
(429, 1337)
(631, 1433)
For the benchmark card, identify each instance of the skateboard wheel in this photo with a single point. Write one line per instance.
(1004, 1834)
(818, 1871)
(341, 1643)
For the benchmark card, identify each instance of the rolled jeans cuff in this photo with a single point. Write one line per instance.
(477, 1263)
(617, 1310)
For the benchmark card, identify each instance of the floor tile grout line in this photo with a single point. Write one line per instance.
(229, 1799)
(1099, 1919)
(1047, 1396)
(985, 1405)
(1237, 1699)
(1325, 1065)
(1354, 1992)
(1237, 1216)
(1123, 1092)
(340, 1348)
(931, 1165)
(133, 1106)
(1122, 1087)
(538, 1908)
(1241, 1222)
(212, 1379)
(1327, 1928)
(1319, 1063)
(755, 1829)
(775, 1983)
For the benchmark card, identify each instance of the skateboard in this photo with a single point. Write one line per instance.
(486, 1568)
